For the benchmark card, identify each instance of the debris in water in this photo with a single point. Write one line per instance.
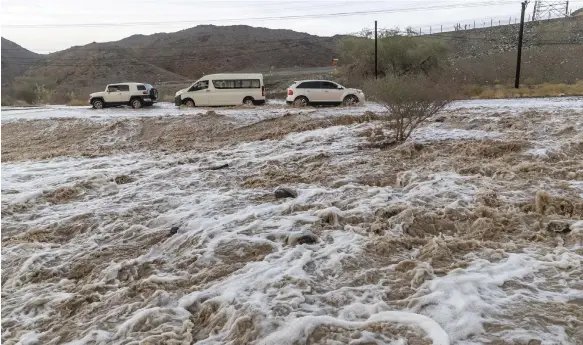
(219, 167)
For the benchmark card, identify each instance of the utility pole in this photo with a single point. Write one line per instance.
(567, 9)
(534, 11)
(376, 72)
(519, 56)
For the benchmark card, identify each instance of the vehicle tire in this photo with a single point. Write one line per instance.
(301, 101)
(248, 101)
(350, 100)
(189, 103)
(136, 103)
(98, 104)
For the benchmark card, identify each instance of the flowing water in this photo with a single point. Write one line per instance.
(468, 233)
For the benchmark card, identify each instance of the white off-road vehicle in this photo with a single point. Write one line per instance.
(135, 95)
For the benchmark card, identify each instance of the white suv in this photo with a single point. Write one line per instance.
(135, 95)
(306, 92)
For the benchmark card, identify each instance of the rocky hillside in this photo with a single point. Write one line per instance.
(15, 60)
(552, 51)
(83, 69)
(209, 49)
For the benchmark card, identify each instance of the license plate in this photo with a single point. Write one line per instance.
(147, 99)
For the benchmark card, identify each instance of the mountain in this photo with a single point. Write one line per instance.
(92, 66)
(209, 49)
(15, 60)
(177, 56)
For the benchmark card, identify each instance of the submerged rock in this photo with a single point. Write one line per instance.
(302, 238)
(559, 226)
(123, 179)
(173, 230)
(285, 192)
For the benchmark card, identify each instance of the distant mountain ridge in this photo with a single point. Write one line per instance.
(177, 56)
(15, 60)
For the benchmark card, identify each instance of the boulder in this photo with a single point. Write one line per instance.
(305, 237)
(285, 192)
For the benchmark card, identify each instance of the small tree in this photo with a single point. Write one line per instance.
(409, 100)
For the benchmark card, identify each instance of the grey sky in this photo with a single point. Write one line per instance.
(28, 22)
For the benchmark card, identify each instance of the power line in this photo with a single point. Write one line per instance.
(308, 16)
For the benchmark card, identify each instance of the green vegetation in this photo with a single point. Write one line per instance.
(397, 56)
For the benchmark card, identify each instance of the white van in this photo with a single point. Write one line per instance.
(223, 89)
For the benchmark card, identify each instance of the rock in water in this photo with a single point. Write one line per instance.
(173, 231)
(305, 237)
(559, 226)
(285, 192)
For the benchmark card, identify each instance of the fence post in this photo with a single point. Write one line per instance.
(430, 30)
(442, 28)
(474, 24)
(491, 21)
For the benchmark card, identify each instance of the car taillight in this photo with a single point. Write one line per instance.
(290, 92)
(263, 91)
(145, 92)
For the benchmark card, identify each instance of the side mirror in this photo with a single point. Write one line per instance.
(340, 87)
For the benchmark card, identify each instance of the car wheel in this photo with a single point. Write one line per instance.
(248, 101)
(189, 103)
(350, 100)
(301, 101)
(136, 103)
(97, 104)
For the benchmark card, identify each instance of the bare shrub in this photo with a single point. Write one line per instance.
(409, 100)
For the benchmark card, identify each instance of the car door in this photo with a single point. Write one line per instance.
(124, 93)
(313, 91)
(201, 93)
(113, 94)
(331, 92)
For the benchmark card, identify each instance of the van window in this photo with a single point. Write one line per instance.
(201, 85)
(237, 84)
(142, 87)
(124, 87)
(309, 85)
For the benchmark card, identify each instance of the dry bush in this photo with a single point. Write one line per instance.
(489, 148)
(409, 100)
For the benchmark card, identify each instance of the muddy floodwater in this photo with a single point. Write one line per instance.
(162, 226)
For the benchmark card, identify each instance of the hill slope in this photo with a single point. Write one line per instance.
(91, 67)
(15, 60)
(208, 49)
(552, 51)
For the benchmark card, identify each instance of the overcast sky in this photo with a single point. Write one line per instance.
(46, 26)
